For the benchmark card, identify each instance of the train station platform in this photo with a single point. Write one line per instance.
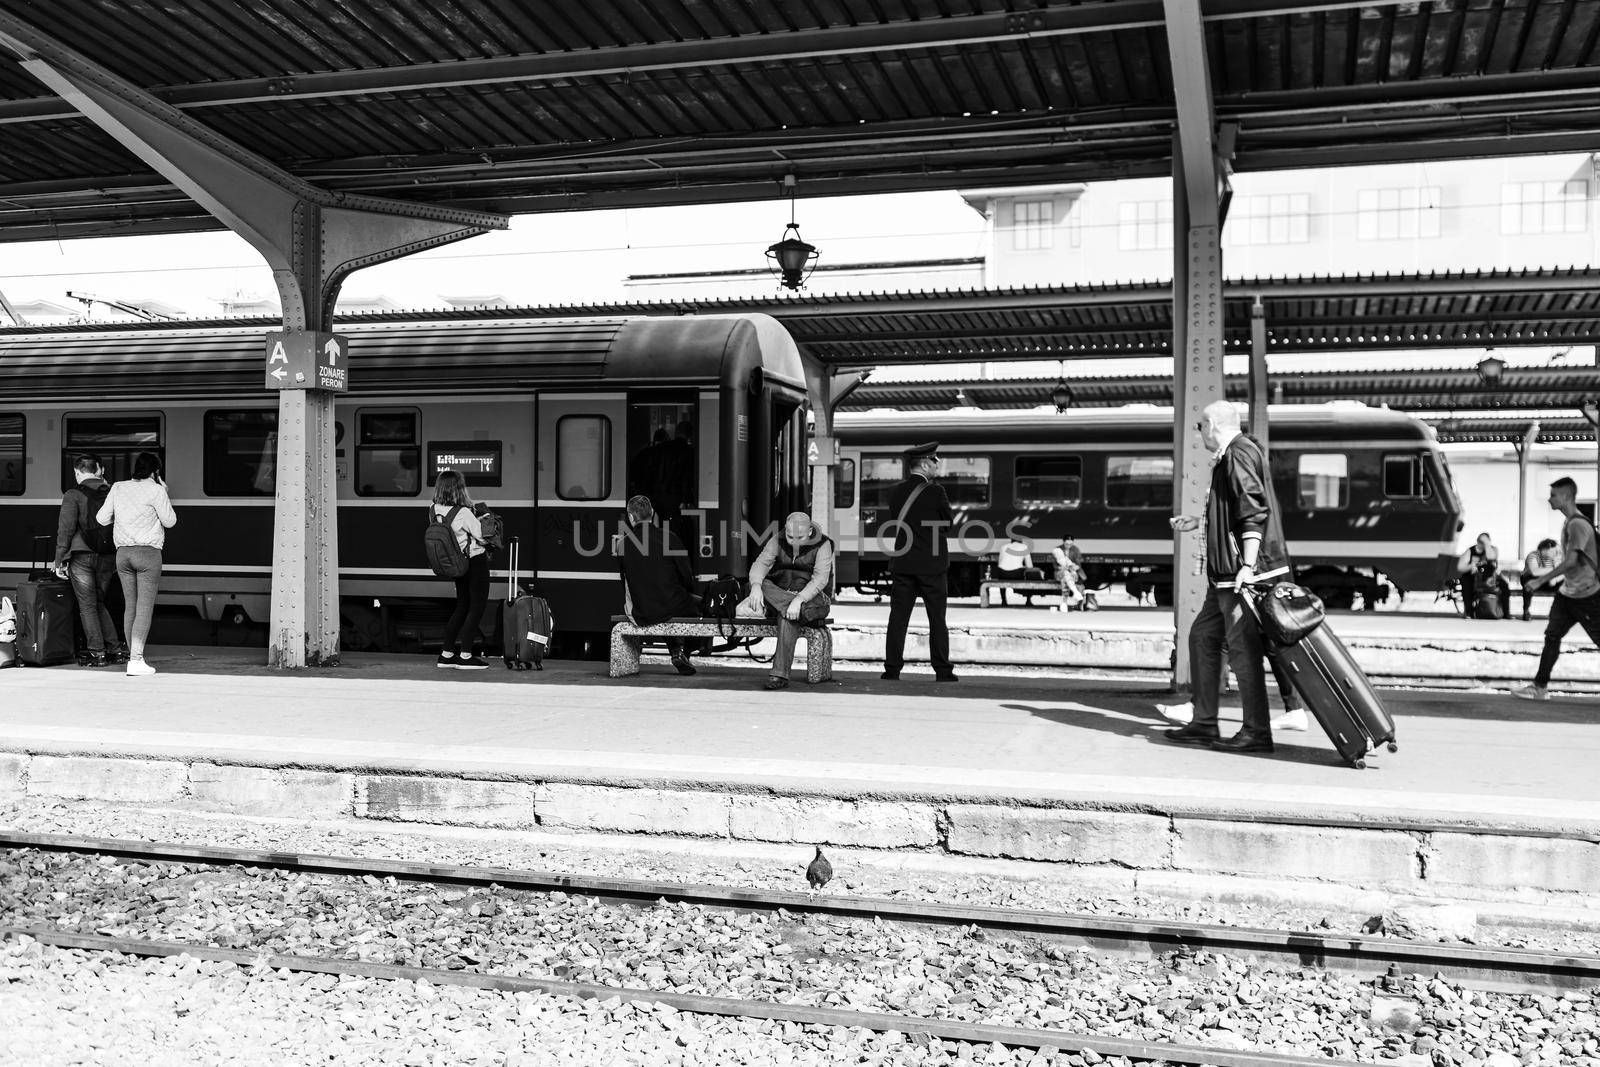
(1488, 798)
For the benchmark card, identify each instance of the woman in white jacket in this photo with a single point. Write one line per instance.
(140, 515)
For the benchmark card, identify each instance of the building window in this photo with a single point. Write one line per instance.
(1403, 478)
(1144, 224)
(13, 454)
(1278, 219)
(844, 484)
(1324, 481)
(1032, 223)
(1139, 482)
(240, 453)
(1048, 483)
(583, 457)
(116, 439)
(388, 453)
(1397, 214)
(1544, 207)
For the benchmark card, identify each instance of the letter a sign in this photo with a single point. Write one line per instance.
(307, 360)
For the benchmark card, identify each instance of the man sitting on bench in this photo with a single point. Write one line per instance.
(792, 581)
(657, 582)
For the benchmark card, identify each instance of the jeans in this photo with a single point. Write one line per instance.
(1223, 618)
(1565, 613)
(139, 568)
(91, 581)
(902, 598)
(472, 594)
(778, 600)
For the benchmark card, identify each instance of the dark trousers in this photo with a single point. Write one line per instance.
(1565, 613)
(902, 598)
(1224, 622)
(472, 593)
(91, 584)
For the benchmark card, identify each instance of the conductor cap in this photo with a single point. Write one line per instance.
(922, 452)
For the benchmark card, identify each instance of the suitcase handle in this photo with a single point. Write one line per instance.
(1264, 576)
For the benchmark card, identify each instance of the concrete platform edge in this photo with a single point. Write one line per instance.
(1167, 851)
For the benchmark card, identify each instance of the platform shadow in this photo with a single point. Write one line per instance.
(1149, 727)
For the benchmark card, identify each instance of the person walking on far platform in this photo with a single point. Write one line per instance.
(1244, 535)
(140, 514)
(451, 504)
(919, 562)
(1577, 602)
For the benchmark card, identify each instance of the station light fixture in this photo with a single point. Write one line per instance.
(1061, 395)
(790, 257)
(1491, 369)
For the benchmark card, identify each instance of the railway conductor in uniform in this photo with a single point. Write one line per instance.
(921, 520)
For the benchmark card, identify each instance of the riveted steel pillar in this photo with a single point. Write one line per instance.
(826, 389)
(312, 239)
(1258, 374)
(1198, 381)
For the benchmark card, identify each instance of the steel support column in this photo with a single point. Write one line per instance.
(312, 239)
(826, 389)
(1258, 373)
(1199, 197)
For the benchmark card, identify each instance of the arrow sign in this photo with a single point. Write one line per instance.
(280, 374)
(331, 350)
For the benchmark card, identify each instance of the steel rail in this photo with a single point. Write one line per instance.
(1504, 970)
(696, 1003)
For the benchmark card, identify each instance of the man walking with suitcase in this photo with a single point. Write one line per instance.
(1244, 535)
(1577, 602)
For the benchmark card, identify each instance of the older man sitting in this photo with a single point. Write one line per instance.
(792, 580)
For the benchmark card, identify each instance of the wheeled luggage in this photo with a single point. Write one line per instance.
(1335, 690)
(525, 622)
(47, 617)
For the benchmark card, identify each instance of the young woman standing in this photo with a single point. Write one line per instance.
(452, 504)
(140, 515)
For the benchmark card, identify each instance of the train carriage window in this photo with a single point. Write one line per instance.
(388, 453)
(583, 457)
(879, 476)
(1048, 483)
(241, 453)
(12, 454)
(116, 439)
(844, 484)
(1404, 479)
(1324, 481)
(965, 480)
(1139, 482)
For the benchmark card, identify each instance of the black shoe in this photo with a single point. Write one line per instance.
(1243, 742)
(776, 683)
(948, 676)
(117, 656)
(470, 663)
(682, 663)
(890, 676)
(91, 659)
(1193, 735)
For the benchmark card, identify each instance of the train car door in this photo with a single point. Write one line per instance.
(582, 483)
(663, 460)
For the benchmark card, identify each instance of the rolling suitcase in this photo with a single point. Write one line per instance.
(47, 617)
(1335, 690)
(525, 622)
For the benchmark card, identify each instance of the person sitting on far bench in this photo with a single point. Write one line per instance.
(792, 581)
(657, 582)
(1536, 564)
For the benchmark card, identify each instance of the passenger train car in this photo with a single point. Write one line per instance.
(543, 417)
(1365, 493)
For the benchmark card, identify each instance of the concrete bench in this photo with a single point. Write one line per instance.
(627, 640)
(1017, 585)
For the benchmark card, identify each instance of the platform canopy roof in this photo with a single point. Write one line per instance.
(513, 107)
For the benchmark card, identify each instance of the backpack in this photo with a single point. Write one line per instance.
(440, 546)
(96, 534)
(494, 530)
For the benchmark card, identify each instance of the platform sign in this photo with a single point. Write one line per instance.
(307, 360)
(822, 451)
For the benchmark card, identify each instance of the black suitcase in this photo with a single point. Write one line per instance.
(525, 621)
(47, 617)
(1336, 691)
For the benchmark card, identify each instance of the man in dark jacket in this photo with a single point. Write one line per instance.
(919, 560)
(90, 571)
(1244, 536)
(657, 582)
(792, 579)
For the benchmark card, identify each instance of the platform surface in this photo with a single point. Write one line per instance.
(1480, 758)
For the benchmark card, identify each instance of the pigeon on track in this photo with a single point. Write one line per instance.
(819, 870)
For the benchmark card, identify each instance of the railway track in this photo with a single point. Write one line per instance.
(1491, 969)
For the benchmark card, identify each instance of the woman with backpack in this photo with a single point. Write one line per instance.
(140, 514)
(453, 509)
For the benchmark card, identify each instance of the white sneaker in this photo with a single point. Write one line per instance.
(138, 668)
(1182, 714)
(1292, 720)
(1530, 692)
